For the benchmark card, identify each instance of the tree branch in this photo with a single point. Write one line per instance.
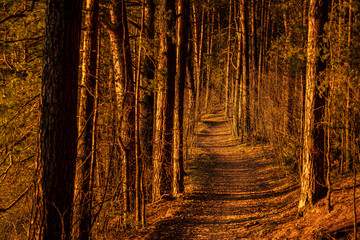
(23, 39)
(2, 210)
(20, 15)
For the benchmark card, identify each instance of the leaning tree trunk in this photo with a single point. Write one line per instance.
(313, 163)
(52, 214)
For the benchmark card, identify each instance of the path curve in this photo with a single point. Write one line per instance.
(239, 191)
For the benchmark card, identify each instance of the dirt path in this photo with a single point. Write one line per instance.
(238, 191)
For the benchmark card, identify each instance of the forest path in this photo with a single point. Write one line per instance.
(237, 191)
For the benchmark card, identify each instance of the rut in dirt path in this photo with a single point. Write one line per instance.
(239, 192)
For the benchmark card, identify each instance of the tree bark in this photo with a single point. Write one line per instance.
(237, 111)
(181, 59)
(199, 33)
(163, 131)
(52, 214)
(147, 96)
(313, 168)
(348, 149)
(86, 159)
(139, 171)
(228, 64)
(245, 101)
(124, 88)
(210, 34)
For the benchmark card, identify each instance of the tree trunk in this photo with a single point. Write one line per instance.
(199, 47)
(181, 58)
(245, 101)
(146, 103)
(124, 88)
(52, 214)
(166, 71)
(348, 149)
(228, 64)
(139, 170)
(254, 65)
(237, 86)
(313, 169)
(209, 60)
(289, 81)
(86, 159)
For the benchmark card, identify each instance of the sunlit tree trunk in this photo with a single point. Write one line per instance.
(163, 132)
(198, 40)
(181, 59)
(124, 88)
(254, 65)
(228, 64)
(313, 162)
(209, 53)
(245, 85)
(236, 116)
(139, 166)
(348, 148)
(86, 159)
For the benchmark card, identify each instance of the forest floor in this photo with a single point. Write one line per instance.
(241, 191)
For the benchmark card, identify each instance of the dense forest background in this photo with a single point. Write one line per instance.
(284, 72)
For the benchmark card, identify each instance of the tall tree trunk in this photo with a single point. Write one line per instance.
(182, 34)
(328, 116)
(254, 64)
(348, 149)
(199, 33)
(146, 92)
(139, 170)
(166, 70)
(157, 157)
(237, 85)
(313, 167)
(86, 159)
(52, 214)
(124, 88)
(289, 82)
(245, 102)
(209, 53)
(189, 122)
(228, 64)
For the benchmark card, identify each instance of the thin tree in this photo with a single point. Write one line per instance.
(138, 156)
(237, 89)
(124, 88)
(181, 59)
(245, 84)
(210, 42)
(228, 64)
(86, 158)
(198, 40)
(58, 126)
(163, 131)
